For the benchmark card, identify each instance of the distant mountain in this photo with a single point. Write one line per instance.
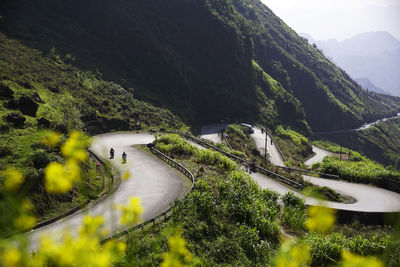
(367, 84)
(372, 55)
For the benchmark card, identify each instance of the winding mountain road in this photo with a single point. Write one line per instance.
(259, 139)
(153, 181)
(368, 198)
(158, 185)
(320, 154)
(363, 127)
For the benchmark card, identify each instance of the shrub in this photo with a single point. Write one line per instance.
(291, 200)
(294, 217)
(364, 171)
(40, 159)
(4, 151)
(236, 130)
(326, 250)
(297, 138)
(173, 144)
(223, 163)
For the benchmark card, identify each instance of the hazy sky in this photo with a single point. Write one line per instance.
(339, 19)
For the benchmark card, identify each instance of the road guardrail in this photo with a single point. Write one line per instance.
(164, 214)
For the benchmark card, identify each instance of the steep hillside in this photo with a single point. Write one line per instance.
(330, 97)
(380, 142)
(207, 60)
(40, 92)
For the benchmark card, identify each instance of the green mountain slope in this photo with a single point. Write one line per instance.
(380, 142)
(40, 92)
(330, 97)
(196, 57)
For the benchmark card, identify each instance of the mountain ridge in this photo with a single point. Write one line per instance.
(204, 60)
(372, 55)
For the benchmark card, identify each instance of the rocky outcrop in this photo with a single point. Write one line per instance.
(27, 106)
(6, 92)
(43, 123)
(12, 104)
(16, 118)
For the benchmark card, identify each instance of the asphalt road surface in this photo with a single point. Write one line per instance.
(259, 140)
(320, 154)
(210, 132)
(153, 181)
(368, 198)
(158, 185)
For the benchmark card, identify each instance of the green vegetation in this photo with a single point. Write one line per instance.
(171, 144)
(40, 93)
(378, 242)
(332, 147)
(380, 142)
(228, 220)
(354, 167)
(27, 153)
(294, 212)
(205, 60)
(239, 138)
(322, 192)
(293, 145)
(362, 170)
(236, 59)
(295, 137)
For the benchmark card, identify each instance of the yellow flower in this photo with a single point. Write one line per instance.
(25, 222)
(178, 254)
(75, 147)
(27, 205)
(51, 138)
(91, 225)
(353, 260)
(56, 179)
(126, 175)
(13, 179)
(321, 219)
(293, 255)
(121, 247)
(73, 171)
(60, 178)
(131, 212)
(84, 250)
(10, 257)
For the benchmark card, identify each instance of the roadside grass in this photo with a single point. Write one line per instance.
(356, 168)
(67, 98)
(382, 243)
(295, 146)
(239, 138)
(229, 220)
(322, 193)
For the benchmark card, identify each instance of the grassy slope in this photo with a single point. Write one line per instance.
(294, 146)
(228, 220)
(353, 166)
(380, 142)
(70, 99)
